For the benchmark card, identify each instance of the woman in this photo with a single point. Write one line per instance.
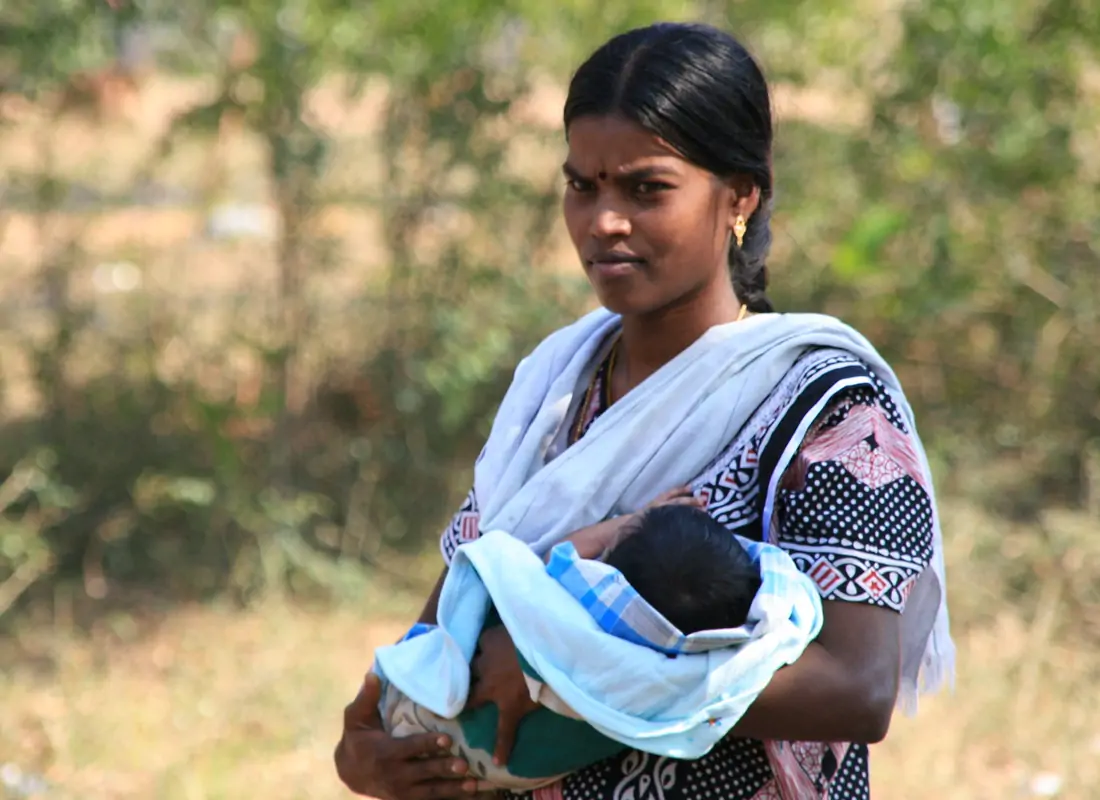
(668, 199)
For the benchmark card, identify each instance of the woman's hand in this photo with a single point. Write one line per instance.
(372, 763)
(593, 541)
(680, 496)
(497, 678)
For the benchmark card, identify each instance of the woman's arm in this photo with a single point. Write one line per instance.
(853, 511)
(842, 689)
(591, 542)
(431, 607)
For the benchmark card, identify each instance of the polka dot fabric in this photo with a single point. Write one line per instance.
(849, 515)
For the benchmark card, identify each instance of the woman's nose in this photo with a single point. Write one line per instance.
(610, 221)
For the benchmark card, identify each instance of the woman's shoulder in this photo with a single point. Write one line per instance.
(823, 383)
(822, 389)
(817, 376)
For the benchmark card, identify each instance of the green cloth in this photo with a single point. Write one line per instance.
(547, 743)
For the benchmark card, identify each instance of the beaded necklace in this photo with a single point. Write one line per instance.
(603, 373)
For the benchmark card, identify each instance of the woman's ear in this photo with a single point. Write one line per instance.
(745, 198)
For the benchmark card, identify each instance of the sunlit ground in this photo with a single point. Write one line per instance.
(212, 703)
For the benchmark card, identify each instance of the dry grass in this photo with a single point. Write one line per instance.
(216, 704)
(213, 704)
(1022, 713)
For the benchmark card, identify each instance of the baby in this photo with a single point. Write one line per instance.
(686, 565)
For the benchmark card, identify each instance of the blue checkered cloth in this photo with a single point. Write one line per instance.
(621, 611)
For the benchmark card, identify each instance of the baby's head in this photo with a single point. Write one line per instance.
(688, 567)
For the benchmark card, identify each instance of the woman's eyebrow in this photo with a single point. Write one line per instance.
(647, 172)
(639, 174)
(571, 172)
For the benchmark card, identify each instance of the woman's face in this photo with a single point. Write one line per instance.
(652, 230)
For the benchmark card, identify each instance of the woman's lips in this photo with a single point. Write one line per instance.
(611, 267)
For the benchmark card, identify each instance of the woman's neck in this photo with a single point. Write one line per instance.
(651, 341)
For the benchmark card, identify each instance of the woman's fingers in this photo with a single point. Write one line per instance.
(426, 770)
(676, 494)
(671, 494)
(685, 501)
(507, 722)
(362, 712)
(681, 495)
(425, 774)
(372, 763)
(421, 745)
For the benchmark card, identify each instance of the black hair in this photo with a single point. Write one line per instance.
(701, 91)
(689, 567)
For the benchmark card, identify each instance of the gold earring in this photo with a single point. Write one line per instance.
(739, 228)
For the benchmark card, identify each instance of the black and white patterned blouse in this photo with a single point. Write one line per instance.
(828, 460)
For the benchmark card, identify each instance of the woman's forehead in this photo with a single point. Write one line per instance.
(614, 145)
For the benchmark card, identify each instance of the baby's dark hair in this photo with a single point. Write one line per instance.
(689, 567)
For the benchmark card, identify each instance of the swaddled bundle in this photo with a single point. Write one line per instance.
(710, 591)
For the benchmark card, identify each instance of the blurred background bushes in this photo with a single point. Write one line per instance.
(266, 266)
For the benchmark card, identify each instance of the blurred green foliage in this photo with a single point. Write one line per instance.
(944, 201)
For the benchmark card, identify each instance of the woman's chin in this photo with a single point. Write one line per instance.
(624, 304)
(632, 309)
(622, 310)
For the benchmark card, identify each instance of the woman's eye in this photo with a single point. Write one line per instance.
(650, 187)
(578, 185)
